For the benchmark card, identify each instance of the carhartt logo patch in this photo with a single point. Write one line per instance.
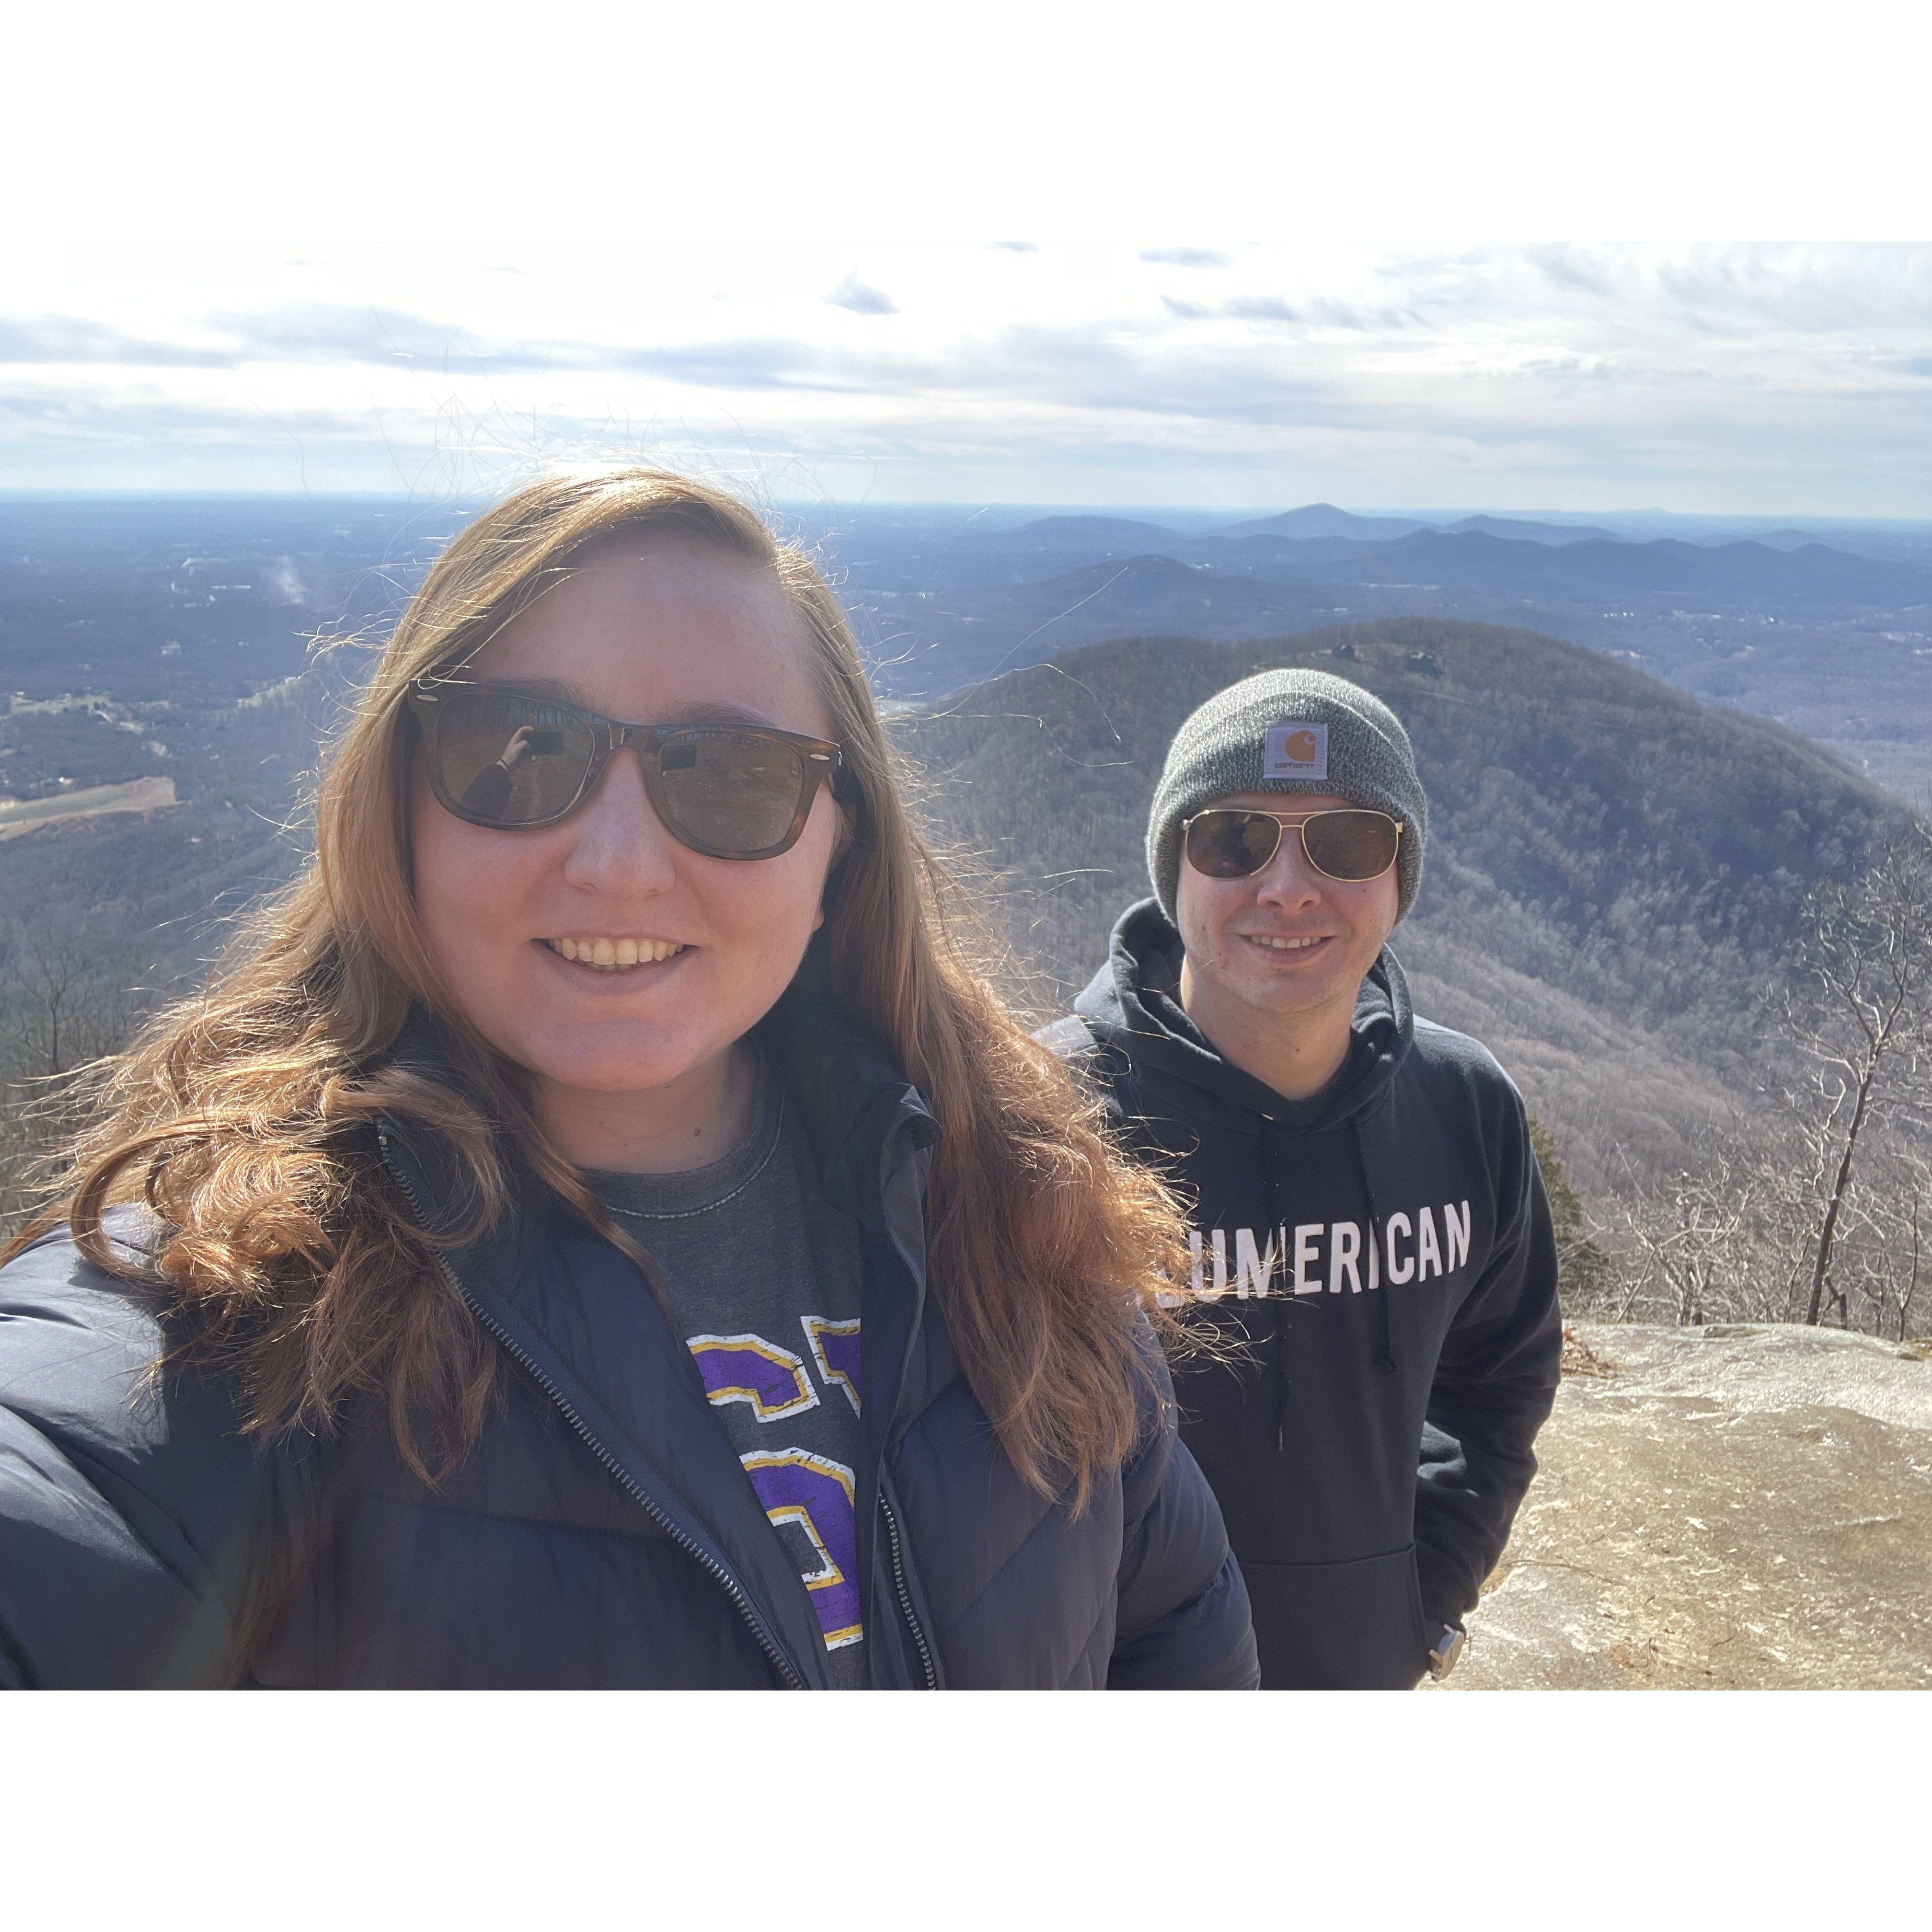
(1295, 751)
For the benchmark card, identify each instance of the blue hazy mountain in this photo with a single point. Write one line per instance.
(1524, 531)
(1813, 575)
(1324, 520)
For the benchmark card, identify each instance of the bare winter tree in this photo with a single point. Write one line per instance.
(68, 1003)
(1687, 1256)
(64, 1002)
(1889, 1217)
(1857, 1007)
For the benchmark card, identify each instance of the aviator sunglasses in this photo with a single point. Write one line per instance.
(1353, 844)
(497, 757)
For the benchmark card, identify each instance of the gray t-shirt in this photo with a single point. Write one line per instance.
(764, 1279)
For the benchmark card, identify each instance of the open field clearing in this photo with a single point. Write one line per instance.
(28, 815)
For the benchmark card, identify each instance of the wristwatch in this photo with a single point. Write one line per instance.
(1445, 1650)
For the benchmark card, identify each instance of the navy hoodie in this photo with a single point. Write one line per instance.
(1381, 1255)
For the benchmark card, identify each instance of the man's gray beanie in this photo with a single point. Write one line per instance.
(1290, 731)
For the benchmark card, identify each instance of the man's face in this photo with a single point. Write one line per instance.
(1287, 947)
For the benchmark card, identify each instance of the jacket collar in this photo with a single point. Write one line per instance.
(864, 1119)
(574, 1311)
(872, 1131)
(861, 1113)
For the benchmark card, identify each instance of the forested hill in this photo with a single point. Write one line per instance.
(1613, 867)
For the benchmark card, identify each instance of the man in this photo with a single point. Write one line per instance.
(1369, 1227)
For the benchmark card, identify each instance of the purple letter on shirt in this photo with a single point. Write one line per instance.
(815, 1493)
(747, 1368)
(835, 1346)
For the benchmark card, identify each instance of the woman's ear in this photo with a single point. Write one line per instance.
(843, 840)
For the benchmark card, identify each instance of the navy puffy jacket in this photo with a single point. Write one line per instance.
(601, 1533)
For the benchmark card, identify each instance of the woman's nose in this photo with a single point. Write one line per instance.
(621, 845)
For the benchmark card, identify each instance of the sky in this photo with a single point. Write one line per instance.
(1035, 264)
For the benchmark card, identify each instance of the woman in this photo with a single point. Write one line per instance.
(598, 1230)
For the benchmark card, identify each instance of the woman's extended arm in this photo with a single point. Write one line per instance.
(1183, 1623)
(128, 1503)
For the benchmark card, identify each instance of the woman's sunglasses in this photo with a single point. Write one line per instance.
(1352, 844)
(514, 763)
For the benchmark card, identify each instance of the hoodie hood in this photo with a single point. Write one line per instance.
(1137, 993)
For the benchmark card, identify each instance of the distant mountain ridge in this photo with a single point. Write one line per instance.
(1324, 520)
(1015, 598)
(1058, 530)
(1163, 593)
(1486, 554)
(1524, 531)
(1476, 559)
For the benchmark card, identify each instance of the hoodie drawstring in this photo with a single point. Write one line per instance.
(1384, 1342)
(1385, 1356)
(1281, 1372)
(1281, 1391)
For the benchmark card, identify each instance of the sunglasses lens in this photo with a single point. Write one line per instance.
(505, 760)
(732, 795)
(1232, 844)
(1351, 845)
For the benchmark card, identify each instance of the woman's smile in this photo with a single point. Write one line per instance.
(587, 975)
(610, 955)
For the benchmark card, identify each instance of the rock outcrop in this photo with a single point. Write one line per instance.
(1725, 1508)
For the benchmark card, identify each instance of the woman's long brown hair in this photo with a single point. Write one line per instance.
(244, 1116)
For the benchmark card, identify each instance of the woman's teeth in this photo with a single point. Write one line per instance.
(613, 955)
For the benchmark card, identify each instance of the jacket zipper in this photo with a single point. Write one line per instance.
(905, 1595)
(725, 1580)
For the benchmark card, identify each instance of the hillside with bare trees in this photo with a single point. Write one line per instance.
(1644, 905)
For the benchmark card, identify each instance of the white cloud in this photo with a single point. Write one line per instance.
(1778, 379)
(861, 298)
(1187, 258)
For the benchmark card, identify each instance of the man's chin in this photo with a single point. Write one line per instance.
(1283, 998)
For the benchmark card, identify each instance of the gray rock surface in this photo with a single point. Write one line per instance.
(1732, 1507)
